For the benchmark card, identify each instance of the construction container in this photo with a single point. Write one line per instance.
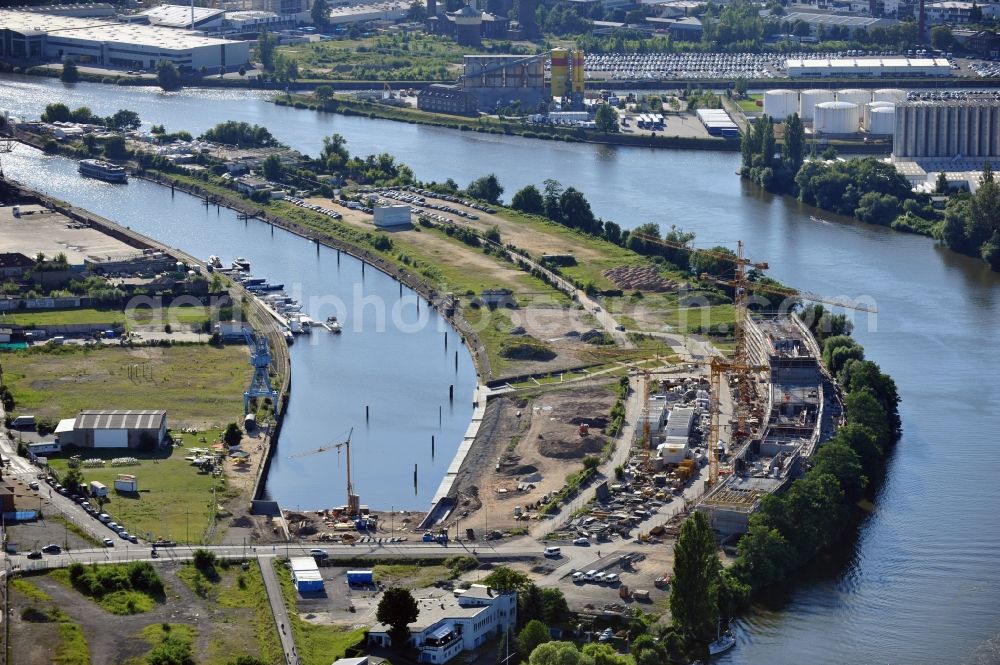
(640, 594)
(126, 483)
(360, 577)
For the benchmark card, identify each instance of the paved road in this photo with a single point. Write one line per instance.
(279, 611)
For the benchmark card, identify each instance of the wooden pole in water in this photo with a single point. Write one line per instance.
(446, 341)
(432, 446)
(439, 416)
(451, 393)
(456, 361)
(366, 413)
(414, 478)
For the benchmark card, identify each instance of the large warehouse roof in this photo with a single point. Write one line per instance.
(27, 23)
(121, 419)
(180, 16)
(814, 18)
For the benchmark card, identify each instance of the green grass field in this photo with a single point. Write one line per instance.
(110, 317)
(123, 602)
(317, 644)
(198, 385)
(749, 105)
(174, 499)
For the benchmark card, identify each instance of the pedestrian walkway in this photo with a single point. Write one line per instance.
(278, 609)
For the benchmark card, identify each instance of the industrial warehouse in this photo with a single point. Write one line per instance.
(37, 36)
(867, 67)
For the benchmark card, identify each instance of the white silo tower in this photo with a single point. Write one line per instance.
(867, 109)
(889, 95)
(854, 96)
(809, 99)
(882, 121)
(780, 103)
(837, 118)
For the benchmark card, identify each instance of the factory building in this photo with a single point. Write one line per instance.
(445, 98)
(949, 129)
(113, 429)
(185, 17)
(867, 67)
(89, 41)
(851, 23)
(494, 80)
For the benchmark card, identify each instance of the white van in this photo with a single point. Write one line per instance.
(552, 551)
(23, 421)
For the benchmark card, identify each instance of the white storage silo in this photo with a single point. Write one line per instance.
(854, 96)
(837, 118)
(867, 109)
(780, 103)
(882, 120)
(889, 95)
(808, 101)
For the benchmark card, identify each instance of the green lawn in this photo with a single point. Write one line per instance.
(749, 105)
(110, 317)
(174, 499)
(410, 576)
(198, 385)
(317, 644)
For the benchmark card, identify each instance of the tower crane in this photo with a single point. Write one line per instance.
(352, 499)
(740, 368)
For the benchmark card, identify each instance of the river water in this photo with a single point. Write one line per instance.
(919, 585)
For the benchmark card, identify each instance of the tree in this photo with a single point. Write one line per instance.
(320, 13)
(534, 633)
(605, 654)
(70, 74)
(531, 605)
(56, 112)
(167, 75)
(266, 46)
(528, 199)
(272, 168)
(398, 610)
(73, 480)
(841, 462)
(764, 555)
(693, 595)
(204, 559)
(114, 148)
(552, 191)
(504, 579)
(942, 38)
(606, 119)
(556, 609)
(793, 149)
(323, 93)
(575, 211)
(417, 13)
(941, 185)
(171, 651)
(232, 436)
(486, 188)
(124, 120)
(558, 653)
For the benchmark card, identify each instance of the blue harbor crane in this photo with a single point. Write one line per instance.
(260, 358)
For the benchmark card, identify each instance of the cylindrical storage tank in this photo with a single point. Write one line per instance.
(854, 96)
(882, 120)
(837, 118)
(867, 109)
(808, 101)
(889, 95)
(779, 104)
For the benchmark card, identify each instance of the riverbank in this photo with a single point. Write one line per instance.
(346, 106)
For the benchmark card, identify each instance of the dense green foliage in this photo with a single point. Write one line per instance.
(486, 188)
(790, 530)
(98, 581)
(701, 589)
(867, 188)
(529, 200)
(240, 134)
(606, 119)
(972, 222)
(503, 578)
(759, 160)
(70, 73)
(533, 634)
(397, 609)
(167, 75)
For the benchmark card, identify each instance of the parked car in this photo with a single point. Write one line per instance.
(581, 541)
(124, 535)
(589, 575)
(319, 554)
(52, 548)
(132, 538)
(34, 554)
(104, 517)
(578, 576)
(113, 526)
(108, 542)
(33, 485)
(611, 578)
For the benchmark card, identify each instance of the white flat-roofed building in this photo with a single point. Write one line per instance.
(184, 16)
(867, 67)
(386, 216)
(90, 41)
(305, 574)
(445, 627)
(392, 10)
(852, 23)
(958, 12)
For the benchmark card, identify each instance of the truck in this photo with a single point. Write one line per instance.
(640, 594)
(98, 489)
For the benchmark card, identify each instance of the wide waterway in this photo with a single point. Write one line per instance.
(920, 583)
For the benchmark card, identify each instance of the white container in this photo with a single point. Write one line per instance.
(780, 103)
(808, 101)
(854, 96)
(837, 118)
(867, 109)
(889, 95)
(882, 121)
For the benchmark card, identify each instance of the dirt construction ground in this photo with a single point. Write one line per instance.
(532, 442)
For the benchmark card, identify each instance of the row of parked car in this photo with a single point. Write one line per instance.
(91, 510)
(596, 577)
(294, 200)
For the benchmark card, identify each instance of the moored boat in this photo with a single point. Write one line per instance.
(102, 170)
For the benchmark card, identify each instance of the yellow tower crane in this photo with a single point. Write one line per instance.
(353, 504)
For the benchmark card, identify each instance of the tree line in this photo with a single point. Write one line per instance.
(121, 121)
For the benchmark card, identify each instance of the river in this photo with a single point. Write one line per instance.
(919, 585)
